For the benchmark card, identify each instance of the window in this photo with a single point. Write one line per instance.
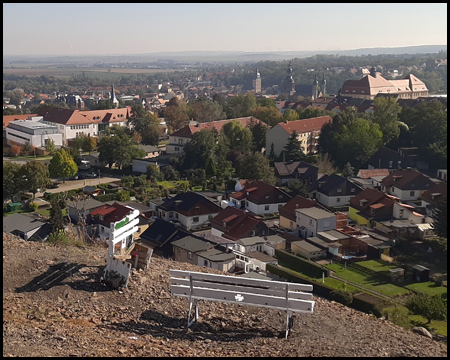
(338, 200)
(189, 255)
(311, 222)
(178, 250)
(176, 215)
(266, 207)
(196, 219)
(390, 164)
(339, 190)
(412, 193)
(205, 262)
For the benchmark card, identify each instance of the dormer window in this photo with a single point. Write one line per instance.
(100, 217)
(339, 190)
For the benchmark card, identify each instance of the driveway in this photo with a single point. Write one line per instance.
(77, 184)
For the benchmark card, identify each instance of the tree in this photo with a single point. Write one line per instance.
(119, 149)
(258, 131)
(326, 165)
(386, 116)
(205, 110)
(197, 151)
(256, 167)
(62, 165)
(439, 216)
(176, 114)
(292, 149)
(154, 173)
(56, 215)
(10, 176)
(36, 176)
(290, 115)
(308, 113)
(242, 105)
(236, 136)
(16, 96)
(430, 307)
(50, 147)
(348, 170)
(269, 115)
(297, 187)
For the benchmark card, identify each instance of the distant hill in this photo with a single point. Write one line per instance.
(218, 56)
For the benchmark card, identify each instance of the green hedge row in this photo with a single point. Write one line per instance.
(106, 197)
(299, 264)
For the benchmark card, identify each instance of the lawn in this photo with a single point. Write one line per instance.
(367, 281)
(428, 288)
(377, 265)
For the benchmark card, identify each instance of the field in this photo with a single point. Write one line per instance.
(67, 72)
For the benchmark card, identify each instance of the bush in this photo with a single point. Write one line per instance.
(34, 206)
(343, 297)
(430, 307)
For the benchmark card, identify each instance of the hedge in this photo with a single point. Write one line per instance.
(300, 265)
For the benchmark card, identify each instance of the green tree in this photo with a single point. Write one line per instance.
(308, 113)
(36, 176)
(242, 105)
(197, 151)
(269, 115)
(236, 136)
(439, 216)
(16, 96)
(297, 187)
(293, 149)
(11, 185)
(430, 307)
(259, 131)
(176, 114)
(290, 115)
(154, 173)
(56, 215)
(348, 170)
(386, 116)
(50, 146)
(256, 167)
(122, 195)
(205, 110)
(62, 165)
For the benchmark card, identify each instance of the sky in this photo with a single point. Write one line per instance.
(141, 28)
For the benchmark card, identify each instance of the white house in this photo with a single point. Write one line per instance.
(312, 220)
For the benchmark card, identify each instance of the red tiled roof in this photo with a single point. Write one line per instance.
(258, 195)
(8, 118)
(367, 173)
(305, 125)
(298, 202)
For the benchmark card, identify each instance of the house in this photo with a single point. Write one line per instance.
(8, 118)
(160, 235)
(79, 210)
(150, 151)
(25, 226)
(116, 224)
(371, 205)
(431, 198)
(190, 209)
(288, 216)
(259, 260)
(369, 173)
(73, 123)
(232, 223)
(312, 220)
(186, 248)
(307, 130)
(259, 198)
(334, 190)
(307, 250)
(385, 158)
(181, 137)
(406, 184)
(296, 170)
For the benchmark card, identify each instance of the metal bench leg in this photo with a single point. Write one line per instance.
(289, 323)
(195, 303)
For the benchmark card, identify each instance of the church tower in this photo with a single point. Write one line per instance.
(315, 89)
(323, 86)
(257, 83)
(289, 84)
(113, 97)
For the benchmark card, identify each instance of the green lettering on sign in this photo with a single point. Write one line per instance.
(122, 223)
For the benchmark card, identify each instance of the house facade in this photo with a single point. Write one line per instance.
(406, 184)
(312, 220)
(335, 191)
(32, 131)
(307, 130)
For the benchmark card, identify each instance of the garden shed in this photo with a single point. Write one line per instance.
(420, 273)
(14, 206)
(397, 274)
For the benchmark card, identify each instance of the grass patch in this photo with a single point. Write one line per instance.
(368, 281)
(377, 265)
(436, 326)
(428, 288)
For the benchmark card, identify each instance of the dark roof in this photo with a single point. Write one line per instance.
(257, 191)
(328, 185)
(190, 203)
(87, 204)
(298, 202)
(382, 158)
(408, 179)
(20, 222)
(193, 244)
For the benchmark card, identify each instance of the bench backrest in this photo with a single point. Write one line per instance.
(240, 290)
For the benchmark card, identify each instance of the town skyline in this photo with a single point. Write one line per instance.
(159, 28)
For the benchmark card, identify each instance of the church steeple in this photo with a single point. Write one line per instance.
(257, 82)
(113, 96)
(289, 83)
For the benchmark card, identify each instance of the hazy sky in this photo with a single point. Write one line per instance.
(136, 28)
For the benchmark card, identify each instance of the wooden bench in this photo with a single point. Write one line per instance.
(240, 290)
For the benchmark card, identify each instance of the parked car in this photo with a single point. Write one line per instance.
(91, 175)
(55, 185)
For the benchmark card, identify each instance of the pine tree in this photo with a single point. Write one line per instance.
(440, 219)
(292, 148)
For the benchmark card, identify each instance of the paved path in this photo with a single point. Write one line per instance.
(77, 184)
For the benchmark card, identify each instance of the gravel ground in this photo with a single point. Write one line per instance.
(55, 305)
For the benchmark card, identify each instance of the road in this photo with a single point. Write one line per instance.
(77, 184)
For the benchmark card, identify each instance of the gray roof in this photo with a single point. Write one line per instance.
(303, 244)
(192, 244)
(248, 241)
(21, 223)
(88, 204)
(258, 255)
(333, 235)
(217, 255)
(316, 213)
(318, 242)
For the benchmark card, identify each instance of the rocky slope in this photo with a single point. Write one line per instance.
(55, 305)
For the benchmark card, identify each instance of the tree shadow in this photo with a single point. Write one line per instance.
(159, 325)
(60, 274)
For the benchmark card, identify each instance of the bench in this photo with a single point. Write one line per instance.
(291, 297)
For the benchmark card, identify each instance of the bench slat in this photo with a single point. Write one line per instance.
(236, 280)
(297, 305)
(242, 288)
